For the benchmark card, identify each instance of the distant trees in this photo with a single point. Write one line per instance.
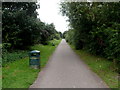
(64, 34)
(21, 27)
(95, 27)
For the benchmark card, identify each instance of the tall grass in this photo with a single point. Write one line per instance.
(8, 57)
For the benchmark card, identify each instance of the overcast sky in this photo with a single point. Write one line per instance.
(49, 13)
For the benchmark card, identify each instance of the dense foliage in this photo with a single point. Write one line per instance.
(15, 55)
(22, 28)
(94, 27)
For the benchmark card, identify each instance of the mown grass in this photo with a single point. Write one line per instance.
(46, 50)
(103, 67)
(18, 74)
(0, 78)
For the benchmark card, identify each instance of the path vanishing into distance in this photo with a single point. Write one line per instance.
(65, 69)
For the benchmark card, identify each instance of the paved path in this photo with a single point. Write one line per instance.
(66, 70)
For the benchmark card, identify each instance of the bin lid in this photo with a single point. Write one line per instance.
(35, 51)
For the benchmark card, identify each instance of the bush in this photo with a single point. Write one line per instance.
(95, 28)
(6, 46)
(8, 57)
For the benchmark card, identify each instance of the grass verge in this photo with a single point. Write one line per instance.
(0, 78)
(18, 74)
(101, 66)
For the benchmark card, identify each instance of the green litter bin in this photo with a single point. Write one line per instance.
(34, 59)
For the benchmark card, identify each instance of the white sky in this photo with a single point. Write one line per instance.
(49, 12)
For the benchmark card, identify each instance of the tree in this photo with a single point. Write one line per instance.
(95, 27)
(22, 28)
